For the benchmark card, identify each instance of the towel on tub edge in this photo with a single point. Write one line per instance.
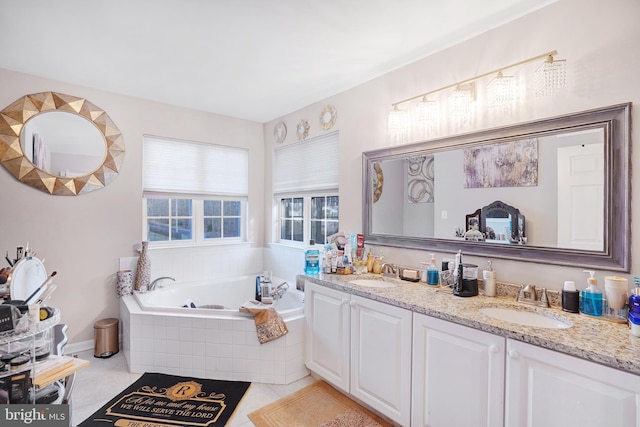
(269, 324)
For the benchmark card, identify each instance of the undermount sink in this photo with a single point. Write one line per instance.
(372, 283)
(527, 318)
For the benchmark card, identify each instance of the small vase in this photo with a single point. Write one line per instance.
(143, 271)
(125, 283)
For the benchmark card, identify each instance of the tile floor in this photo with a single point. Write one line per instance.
(105, 378)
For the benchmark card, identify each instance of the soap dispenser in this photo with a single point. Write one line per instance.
(591, 301)
(489, 280)
(433, 275)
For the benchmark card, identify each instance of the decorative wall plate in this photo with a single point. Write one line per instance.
(302, 130)
(328, 117)
(280, 132)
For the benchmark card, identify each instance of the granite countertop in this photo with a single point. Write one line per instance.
(596, 340)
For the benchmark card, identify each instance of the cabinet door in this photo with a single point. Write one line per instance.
(547, 389)
(326, 313)
(381, 357)
(458, 375)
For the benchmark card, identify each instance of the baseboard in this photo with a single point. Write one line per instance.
(77, 347)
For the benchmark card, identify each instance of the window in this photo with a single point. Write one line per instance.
(193, 192)
(308, 217)
(291, 219)
(222, 218)
(324, 218)
(169, 219)
(306, 190)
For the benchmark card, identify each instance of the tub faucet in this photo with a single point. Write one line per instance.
(153, 284)
(279, 290)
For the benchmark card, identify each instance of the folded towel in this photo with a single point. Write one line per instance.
(269, 324)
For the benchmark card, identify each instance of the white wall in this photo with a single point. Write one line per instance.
(83, 237)
(599, 44)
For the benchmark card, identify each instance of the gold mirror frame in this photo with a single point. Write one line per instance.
(12, 121)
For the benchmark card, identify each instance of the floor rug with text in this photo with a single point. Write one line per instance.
(161, 400)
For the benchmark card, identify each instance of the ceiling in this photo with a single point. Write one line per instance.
(250, 59)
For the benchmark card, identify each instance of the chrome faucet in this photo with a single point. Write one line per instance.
(279, 290)
(389, 270)
(153, 284)
(528, 295)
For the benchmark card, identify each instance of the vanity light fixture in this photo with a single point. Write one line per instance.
(551, 76)
(398, 125)
(427, 115)
(460, 102)
(501, 92)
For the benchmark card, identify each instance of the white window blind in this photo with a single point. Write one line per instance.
(308, 165)
(175, 167)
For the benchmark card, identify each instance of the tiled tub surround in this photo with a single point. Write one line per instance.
(220, 344)
(595, 340)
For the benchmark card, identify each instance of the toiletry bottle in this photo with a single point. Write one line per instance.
(591, 302)
(433, 275)
(334, 260)
(326, 265)
(377, 264)
(348, 259)
(258, 288)
(369, 262)
(312, 259)
(457, 273)
(489, 279)
(265, 288)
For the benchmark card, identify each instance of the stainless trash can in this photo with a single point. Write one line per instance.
(106, 342)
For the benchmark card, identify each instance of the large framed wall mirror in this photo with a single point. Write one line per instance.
(555, 191)
(60, 144)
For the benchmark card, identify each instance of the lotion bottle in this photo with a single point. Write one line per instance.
(591, 301)
(489, 280)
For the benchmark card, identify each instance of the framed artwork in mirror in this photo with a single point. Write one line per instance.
(473, 221)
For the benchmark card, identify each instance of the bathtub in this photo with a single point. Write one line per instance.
(230, 294)
(160, 335)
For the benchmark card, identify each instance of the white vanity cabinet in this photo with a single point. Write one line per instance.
(381, 357)
(327, 337)
(362, 347)
(458, 375)
(545, 388)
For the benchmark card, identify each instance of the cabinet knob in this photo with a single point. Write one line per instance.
(352, 303)
(514, 354)
(494, 349)
(344, 301)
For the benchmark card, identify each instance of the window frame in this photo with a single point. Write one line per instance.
(198, 222)
(306, 215)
